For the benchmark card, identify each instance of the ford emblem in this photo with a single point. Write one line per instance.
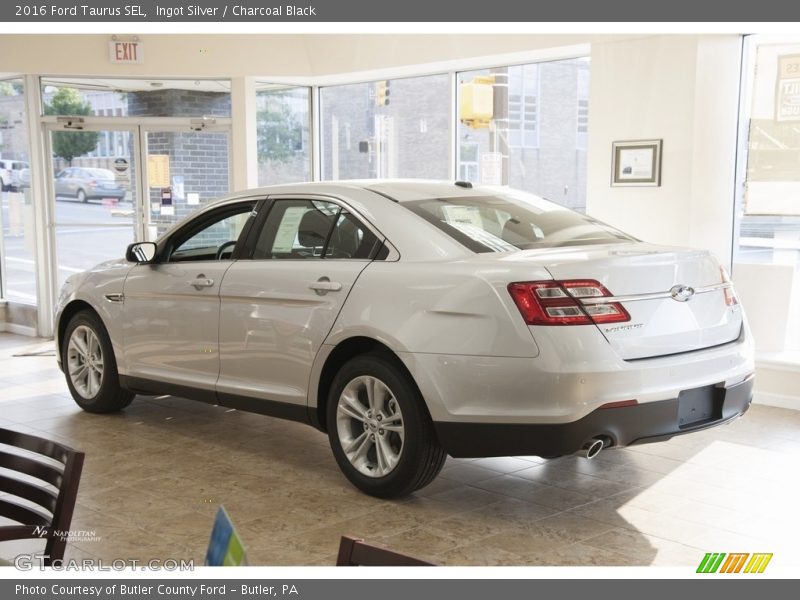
(681, 293)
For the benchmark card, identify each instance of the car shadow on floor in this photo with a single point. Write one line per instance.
(156, 473)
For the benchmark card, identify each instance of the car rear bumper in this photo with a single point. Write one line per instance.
(100, 193)
(692, 410)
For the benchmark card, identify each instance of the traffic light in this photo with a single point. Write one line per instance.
(382, 93)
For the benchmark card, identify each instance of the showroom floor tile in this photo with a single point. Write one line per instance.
(155, 475)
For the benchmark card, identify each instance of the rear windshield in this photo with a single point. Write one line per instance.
(100, 173)
(512, 221)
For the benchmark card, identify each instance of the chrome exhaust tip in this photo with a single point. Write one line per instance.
(591, 449)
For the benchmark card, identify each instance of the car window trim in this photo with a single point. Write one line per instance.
(200, 221)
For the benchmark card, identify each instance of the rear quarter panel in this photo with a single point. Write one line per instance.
(453, 307)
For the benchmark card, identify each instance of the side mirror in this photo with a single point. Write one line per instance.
(141, 252)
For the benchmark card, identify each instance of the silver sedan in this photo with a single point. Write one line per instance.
(411, 320)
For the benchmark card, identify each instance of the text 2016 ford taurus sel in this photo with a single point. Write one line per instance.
(411, 320)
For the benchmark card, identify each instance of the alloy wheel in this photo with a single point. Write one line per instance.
(85, 361)
(370, 426)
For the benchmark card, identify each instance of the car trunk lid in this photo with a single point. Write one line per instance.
(678, 300)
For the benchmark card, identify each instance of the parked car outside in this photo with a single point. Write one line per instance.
(86, 184)
(9, 174)
(22, 180)
(410, 320)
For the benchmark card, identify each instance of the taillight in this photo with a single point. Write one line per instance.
(730, 294)
(562, 303)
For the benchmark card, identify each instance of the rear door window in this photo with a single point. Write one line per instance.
(309, 229)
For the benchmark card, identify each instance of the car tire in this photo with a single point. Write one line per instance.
(81, 196)
(412, 456)
(89, 365)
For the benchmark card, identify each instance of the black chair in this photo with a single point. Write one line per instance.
(355, 552)
(57, 500)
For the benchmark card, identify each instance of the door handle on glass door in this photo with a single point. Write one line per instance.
(201, 282)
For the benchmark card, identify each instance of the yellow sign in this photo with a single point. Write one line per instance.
(158, 171)
(476, 102)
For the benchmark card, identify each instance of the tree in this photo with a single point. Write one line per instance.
(10, 88)
(69, 144)
(279, 132)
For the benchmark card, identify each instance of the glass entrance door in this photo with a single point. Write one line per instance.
(185, 169)
(112, 185)
(95, 194)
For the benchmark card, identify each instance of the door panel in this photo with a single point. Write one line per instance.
(172, 308)
(272, 323)
(172, 321)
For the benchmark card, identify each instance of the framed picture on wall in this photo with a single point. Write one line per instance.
(636, 163)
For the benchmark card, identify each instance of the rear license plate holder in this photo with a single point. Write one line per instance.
(699, 405)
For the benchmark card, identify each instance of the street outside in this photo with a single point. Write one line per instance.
(104, 232)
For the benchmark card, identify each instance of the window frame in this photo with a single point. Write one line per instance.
(377, 252)
(167, 245)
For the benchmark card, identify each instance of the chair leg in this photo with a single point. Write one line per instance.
(346, 545)
(54, 551)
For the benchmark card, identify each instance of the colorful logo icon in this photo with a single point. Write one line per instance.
(737, 562)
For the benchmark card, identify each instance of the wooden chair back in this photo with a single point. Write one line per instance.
(46, 475)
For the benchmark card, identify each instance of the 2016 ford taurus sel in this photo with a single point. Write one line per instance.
(412, 320)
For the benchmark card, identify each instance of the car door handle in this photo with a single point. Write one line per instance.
(202, 282)
(323, 286)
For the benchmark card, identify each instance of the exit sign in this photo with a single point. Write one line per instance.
(126, 52)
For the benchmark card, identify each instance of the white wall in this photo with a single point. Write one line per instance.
(277, 57)
(684, 90)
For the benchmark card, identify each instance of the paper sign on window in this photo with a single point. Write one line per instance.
(287, 230)
(465, 215)
(158, 171)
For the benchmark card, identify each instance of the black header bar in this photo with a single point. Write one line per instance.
(442, 11)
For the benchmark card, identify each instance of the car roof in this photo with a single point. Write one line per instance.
(399, 190)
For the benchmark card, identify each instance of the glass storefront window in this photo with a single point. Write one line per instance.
(535, 136)
(767, 235)
(385, 129)
(197, 164)
(95, 198)
(769, 224)
(284, 146)
(137, 97)
(17, 257)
